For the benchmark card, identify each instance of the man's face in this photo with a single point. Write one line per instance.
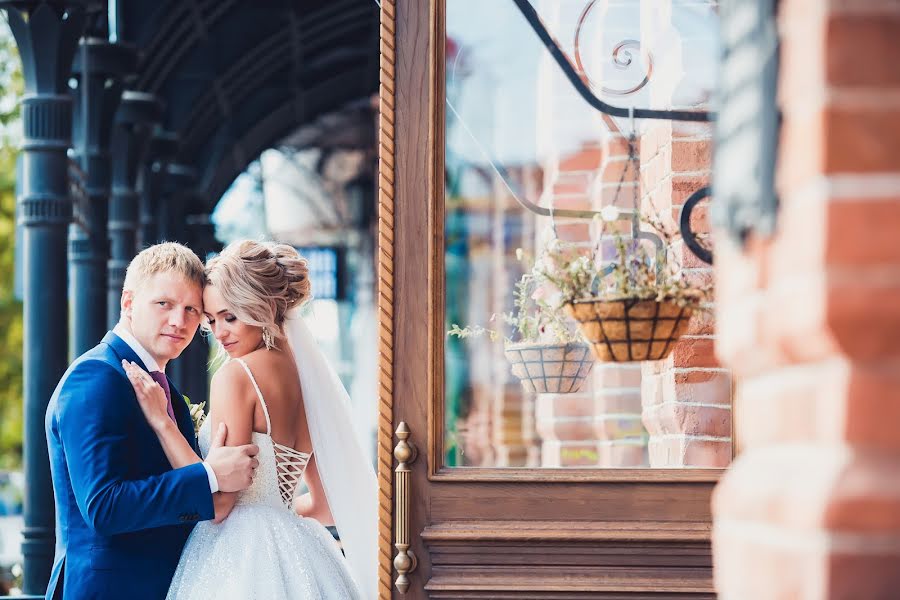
(164, 314)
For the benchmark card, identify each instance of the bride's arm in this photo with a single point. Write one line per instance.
(153, 403)
(233, 403)
(313, 504)
(227, 464)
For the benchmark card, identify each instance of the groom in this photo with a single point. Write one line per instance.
(122, 513)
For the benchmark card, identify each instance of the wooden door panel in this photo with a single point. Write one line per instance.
(601, 502)
(494, 533)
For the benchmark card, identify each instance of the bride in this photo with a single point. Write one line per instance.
(277, 390)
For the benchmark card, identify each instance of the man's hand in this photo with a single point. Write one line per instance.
(234, 466)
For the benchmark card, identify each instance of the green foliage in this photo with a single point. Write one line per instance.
(636, 271)
(11, 90)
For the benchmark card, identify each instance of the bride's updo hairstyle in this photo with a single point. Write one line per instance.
(260, 282)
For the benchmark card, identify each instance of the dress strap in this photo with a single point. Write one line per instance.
(262, 400)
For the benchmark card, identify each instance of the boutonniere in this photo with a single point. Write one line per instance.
(197, 414)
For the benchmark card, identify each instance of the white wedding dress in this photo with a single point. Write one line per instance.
(263, 550)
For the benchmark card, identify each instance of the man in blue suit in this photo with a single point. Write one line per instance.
(123, 514)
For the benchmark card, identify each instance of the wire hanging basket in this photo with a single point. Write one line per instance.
(630, 329)
(550, 368)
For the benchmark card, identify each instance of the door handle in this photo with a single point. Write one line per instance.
(405, 562)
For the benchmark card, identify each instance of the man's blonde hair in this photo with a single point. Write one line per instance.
(163, 258)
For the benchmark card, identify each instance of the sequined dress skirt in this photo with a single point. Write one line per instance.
(262, 552)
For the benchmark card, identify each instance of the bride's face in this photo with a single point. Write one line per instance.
(236, 337)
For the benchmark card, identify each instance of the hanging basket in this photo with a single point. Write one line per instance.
(550, 368)
(630, 329)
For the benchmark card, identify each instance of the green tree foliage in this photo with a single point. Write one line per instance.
(11, 90)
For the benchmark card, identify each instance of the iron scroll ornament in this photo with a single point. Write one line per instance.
(556, 52)
(684, 225)
(581, 87)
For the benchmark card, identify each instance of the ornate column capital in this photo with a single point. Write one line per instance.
(47, 35)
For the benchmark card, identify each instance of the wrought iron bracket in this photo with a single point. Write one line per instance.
(690, 238)
(568, 70)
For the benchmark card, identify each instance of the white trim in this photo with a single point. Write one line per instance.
(655, 407)
(690, 437)
(617, 416)
(849, 186)
(837, 542)
(617, 391)
(625, 441)
(701, 369)
(577, 443)
(704, 173)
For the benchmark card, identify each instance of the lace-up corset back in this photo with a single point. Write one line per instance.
(280, 467)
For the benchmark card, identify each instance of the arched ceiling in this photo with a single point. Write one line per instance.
(238, 76)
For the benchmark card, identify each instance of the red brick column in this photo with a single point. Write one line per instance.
(810, 322)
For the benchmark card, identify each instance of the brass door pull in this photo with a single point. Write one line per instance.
(405, 562)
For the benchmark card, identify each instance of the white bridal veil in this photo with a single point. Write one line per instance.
(348, 478)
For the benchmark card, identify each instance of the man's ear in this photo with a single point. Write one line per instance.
(126, 301)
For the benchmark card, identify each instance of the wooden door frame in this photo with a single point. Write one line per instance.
(410, 205)
(385, 302)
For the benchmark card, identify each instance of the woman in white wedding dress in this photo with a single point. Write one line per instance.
(275, 390)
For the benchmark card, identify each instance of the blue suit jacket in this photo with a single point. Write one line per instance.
(122, 513)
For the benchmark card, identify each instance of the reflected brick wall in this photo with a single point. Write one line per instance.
(687, 398)
(601, 425)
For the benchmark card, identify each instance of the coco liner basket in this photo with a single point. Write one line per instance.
(550, 368)
(630, 329)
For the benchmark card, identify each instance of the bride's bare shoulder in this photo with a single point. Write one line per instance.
(268, 362)
(230, 380)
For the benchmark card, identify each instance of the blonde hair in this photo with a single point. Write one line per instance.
(163, 258)
(260, 282)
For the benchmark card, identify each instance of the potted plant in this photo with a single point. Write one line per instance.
(632, 306)
(545, 351)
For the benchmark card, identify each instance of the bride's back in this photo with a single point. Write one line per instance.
(276, 375)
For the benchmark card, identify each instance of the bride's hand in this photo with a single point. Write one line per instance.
(150, 396)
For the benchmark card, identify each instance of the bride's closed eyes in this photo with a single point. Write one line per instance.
(228, 319)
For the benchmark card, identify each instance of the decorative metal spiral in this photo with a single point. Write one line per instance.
(622, 57)
(690, 238)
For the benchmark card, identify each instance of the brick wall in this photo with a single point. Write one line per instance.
(600, 425)
(810, 323)
(686, 397)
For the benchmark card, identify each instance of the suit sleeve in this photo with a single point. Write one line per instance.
(95, 406)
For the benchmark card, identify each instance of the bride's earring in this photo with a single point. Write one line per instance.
(268, 338)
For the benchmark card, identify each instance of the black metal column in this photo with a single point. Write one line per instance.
(47, 37)
(177, 190)
(100, 67)
(135, 119)
(195, 371)
(172, 209)
(163, 146)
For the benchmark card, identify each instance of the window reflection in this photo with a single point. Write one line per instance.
(515, 128)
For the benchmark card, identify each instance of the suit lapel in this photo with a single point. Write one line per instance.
(123, 350)
(182, 415)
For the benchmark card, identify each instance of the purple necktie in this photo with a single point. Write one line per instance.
(160, 378)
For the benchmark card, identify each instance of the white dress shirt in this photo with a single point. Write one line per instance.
(151, 365)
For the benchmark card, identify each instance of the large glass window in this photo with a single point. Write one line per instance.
(524, 390)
